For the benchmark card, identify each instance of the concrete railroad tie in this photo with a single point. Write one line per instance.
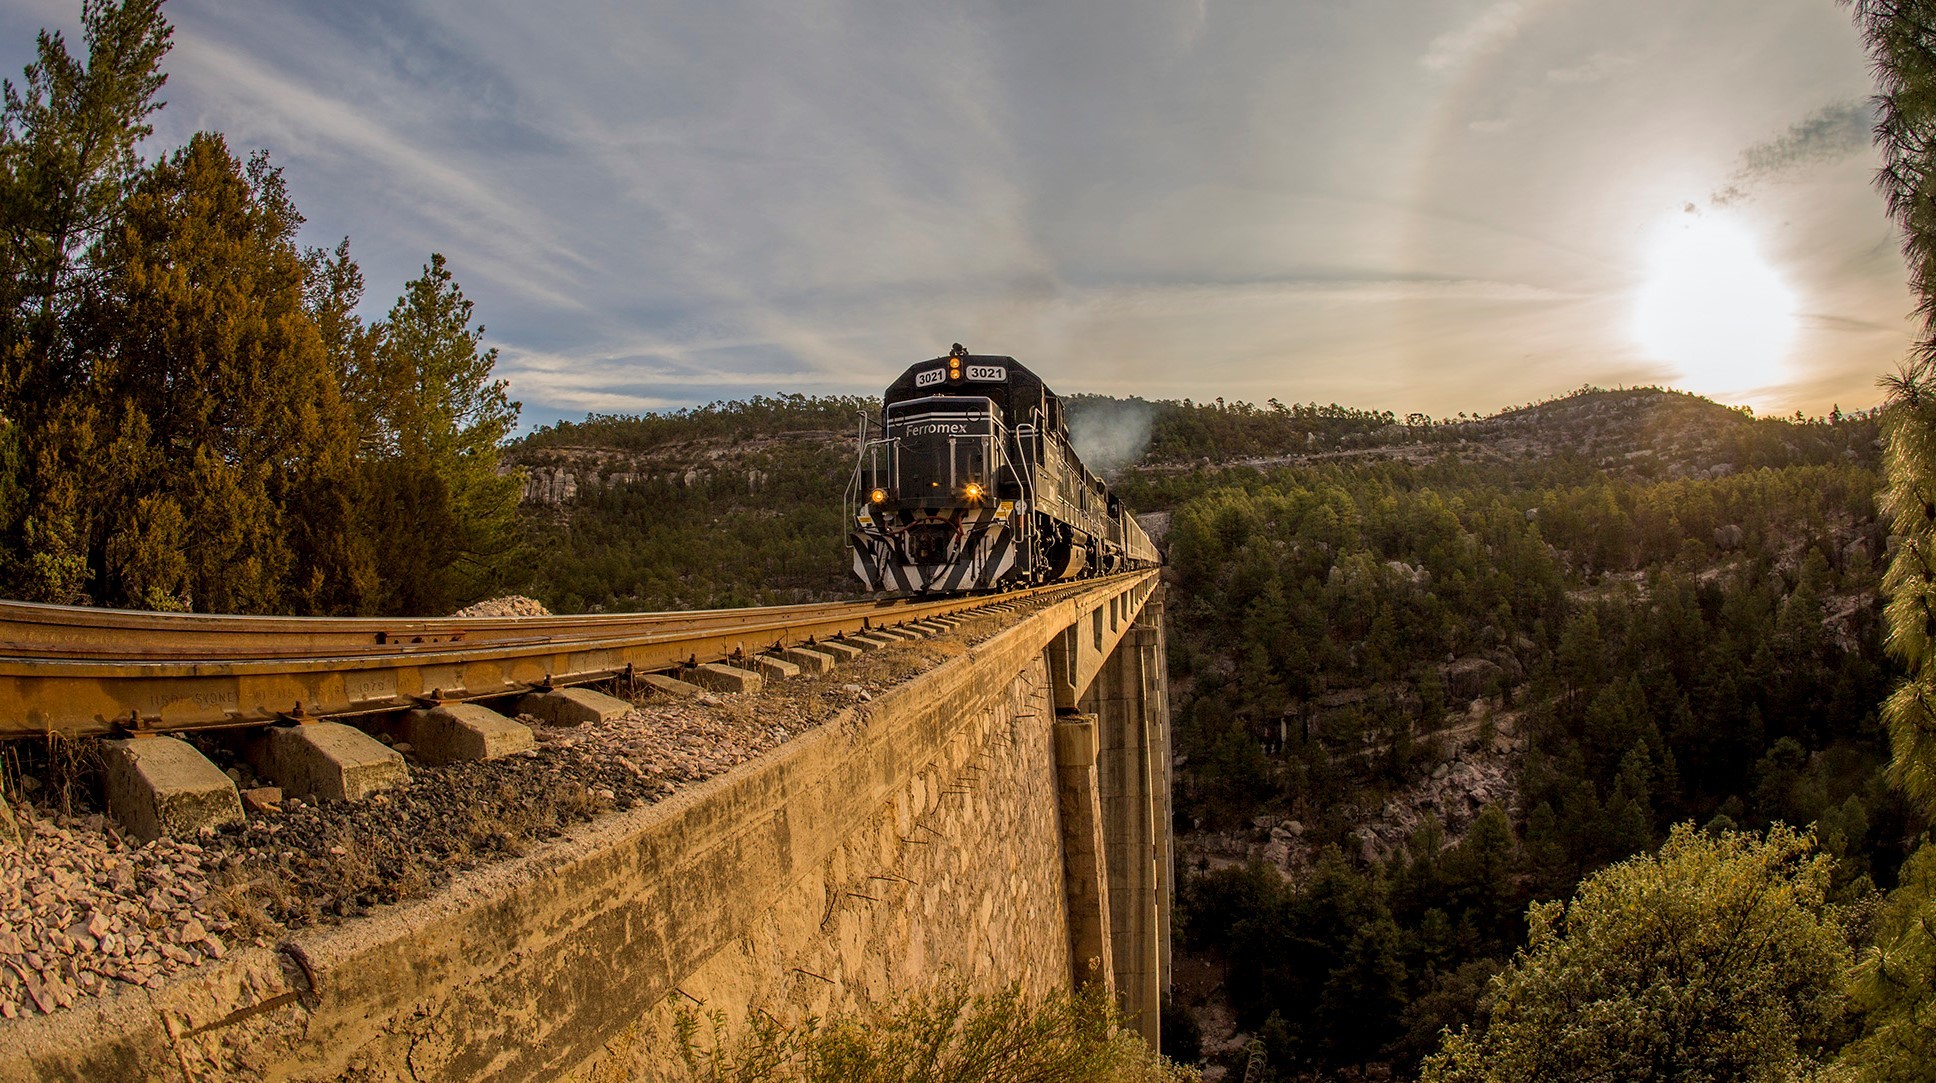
(671, 686)
(840, 650)
(773, 669)
(810, 659)
(161, 786)
(573, 706)
(716, 677)
(333, 761)
(455, 732)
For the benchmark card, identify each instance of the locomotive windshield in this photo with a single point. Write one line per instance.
(943, 443)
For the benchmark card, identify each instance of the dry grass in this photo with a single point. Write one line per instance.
(53, 772)
(942, 1035)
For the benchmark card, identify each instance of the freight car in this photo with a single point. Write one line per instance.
(967, 482)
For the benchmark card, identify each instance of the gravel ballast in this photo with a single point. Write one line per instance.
(87, 910)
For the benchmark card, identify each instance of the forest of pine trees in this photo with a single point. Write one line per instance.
(1700, 651)
(192, 414)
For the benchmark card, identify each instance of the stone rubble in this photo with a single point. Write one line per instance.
(511, 605)
(84, 910)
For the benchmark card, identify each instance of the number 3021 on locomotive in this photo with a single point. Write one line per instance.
(967, 482)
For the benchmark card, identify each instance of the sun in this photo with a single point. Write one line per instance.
(1714, 308)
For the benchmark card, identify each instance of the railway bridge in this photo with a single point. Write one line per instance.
(1001, 817)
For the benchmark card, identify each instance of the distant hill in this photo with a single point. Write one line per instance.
(1644, 432)
(683, 446)
(740, 502)
(728, 504)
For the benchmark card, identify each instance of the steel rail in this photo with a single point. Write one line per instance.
(77, 696)
(32, 630)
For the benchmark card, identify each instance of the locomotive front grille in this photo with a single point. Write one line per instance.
(928, 543)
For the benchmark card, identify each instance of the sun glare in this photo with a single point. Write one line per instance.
(1715, 309)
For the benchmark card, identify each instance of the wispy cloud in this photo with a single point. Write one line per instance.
(651, 376)
(1829, 134)
(1348, 291)
(659, 204)
(1494, 27)
(1596, 68)
(529, 256)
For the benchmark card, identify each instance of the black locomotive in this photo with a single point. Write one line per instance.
(969, 483)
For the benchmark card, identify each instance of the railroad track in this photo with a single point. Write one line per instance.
(75, 671)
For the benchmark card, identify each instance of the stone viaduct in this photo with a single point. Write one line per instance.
(1002, 818)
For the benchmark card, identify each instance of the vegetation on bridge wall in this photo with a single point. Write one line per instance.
(944, 1035)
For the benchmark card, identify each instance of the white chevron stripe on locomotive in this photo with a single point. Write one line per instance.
(980, 556)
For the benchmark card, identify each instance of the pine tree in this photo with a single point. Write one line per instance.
(1630, 811)
(333, 290)
(439, 418)
(1893, 983)
(1901, 37)
(67, 165)
(1910, 583)
(232, 458)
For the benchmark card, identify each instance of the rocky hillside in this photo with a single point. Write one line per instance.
(1425, 674)
(1640, 432)
(554, 474)
(729, 504)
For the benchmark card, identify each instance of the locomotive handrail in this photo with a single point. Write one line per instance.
(1033, 432)
(853, 481)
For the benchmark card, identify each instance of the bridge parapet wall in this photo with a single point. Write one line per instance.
(956, 874)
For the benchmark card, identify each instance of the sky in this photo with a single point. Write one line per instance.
(1430, 205)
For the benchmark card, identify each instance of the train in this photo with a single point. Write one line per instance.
(967, 483)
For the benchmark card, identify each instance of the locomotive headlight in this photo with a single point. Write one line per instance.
(972, 491)
(878, 496)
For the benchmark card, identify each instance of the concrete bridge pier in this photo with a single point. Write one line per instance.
(1085, 865)
(1130, 703)
(1107, 674)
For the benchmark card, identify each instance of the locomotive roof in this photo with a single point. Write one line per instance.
(1018, 374)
